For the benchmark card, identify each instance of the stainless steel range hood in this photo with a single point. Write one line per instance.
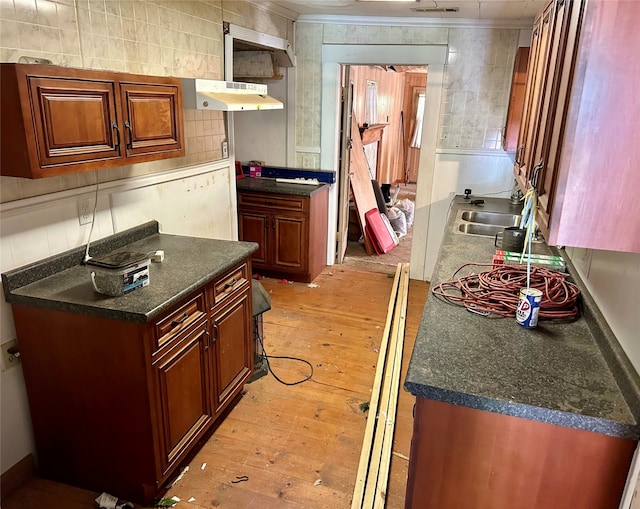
(227, 96)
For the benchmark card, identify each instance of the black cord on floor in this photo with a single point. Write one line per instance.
(267, 357)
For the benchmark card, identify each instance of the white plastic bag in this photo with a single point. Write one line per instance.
(407, 207)
(398, 221)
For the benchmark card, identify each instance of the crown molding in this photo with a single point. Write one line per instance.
(416, 22)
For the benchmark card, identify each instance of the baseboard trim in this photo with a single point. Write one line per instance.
(17, 475)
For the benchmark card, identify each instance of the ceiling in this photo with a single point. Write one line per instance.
(502, 10)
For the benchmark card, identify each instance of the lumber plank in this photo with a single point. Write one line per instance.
(391, 368)
(365, 453)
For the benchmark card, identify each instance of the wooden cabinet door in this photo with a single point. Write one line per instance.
(290, 242)
(516, 100)
(74, 120)
(531, 117)
(152, 118)
(231, 329)
(566, 37)
(181, 379)
(548, 95)
(254, 227)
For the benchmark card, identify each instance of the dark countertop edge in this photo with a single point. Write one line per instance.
(125, 316)
(532, 413)
(25, 275)
(40, 269)
(274, 187)
(623, 371)
(624, 374)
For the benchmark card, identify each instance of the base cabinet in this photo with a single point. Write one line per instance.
(291, 232)
(116, 406)
(463, 457)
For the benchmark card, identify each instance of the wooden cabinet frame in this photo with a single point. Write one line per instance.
(57, 120)
(117, 405)
(290, 230)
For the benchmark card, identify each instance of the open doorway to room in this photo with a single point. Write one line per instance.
(387, 103)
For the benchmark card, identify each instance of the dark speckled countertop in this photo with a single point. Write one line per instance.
(61, 283)
(269, 185)
(571, 374)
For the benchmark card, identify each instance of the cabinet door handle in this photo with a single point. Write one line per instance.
(127, 125)
(115, 126)
(216, 330)
(180, 321)
(207, 343)
(518, 153)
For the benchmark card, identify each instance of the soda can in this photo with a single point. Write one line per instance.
(528, 307)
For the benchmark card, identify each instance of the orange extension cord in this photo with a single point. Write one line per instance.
(496, 290)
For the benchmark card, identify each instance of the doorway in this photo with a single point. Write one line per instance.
(387, 105)
(434, 56)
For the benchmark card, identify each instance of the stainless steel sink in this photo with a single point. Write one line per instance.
(490, 230)
(490, 218)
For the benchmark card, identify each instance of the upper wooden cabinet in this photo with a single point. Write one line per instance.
(516, 100)
(57, 120)
(578, 139)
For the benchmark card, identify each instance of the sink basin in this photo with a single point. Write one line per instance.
(490, 230)
(490, 218)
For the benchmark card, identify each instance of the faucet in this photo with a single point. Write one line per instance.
(516, 194)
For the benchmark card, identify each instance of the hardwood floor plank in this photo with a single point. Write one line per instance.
(299, 445)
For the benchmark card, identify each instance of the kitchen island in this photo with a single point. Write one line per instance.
(121, 389)
(509, 417)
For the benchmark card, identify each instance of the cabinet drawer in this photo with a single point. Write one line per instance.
(273, 201)
(228, 284)
(178, 320)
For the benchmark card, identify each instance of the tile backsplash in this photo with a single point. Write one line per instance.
(154, 37)
(477, 79)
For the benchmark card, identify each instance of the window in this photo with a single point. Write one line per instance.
(371, 103)
(416, 136)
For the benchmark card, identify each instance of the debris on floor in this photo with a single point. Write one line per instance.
(106, 501)
(179, 478)
(167, 502)
(317, 482)
(313, 285)
(364, 406)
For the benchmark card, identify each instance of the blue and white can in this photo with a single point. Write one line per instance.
(528, 307)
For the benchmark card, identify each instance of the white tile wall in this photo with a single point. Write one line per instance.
(476, 83)
(164, 38)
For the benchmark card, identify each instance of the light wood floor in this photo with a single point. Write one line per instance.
(298, 445)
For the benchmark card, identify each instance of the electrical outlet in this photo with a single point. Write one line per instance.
(10, 355)
(225, 150)
(84, 211)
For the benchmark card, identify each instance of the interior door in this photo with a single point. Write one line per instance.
(345, 147)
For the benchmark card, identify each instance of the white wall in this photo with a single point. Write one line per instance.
(198, 201)
(262, 135)
(485, 173)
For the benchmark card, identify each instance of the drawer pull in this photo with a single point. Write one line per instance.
(231, 284)
(175, 323)
(216, 330)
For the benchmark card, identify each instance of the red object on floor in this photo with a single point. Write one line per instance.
(377, 232)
